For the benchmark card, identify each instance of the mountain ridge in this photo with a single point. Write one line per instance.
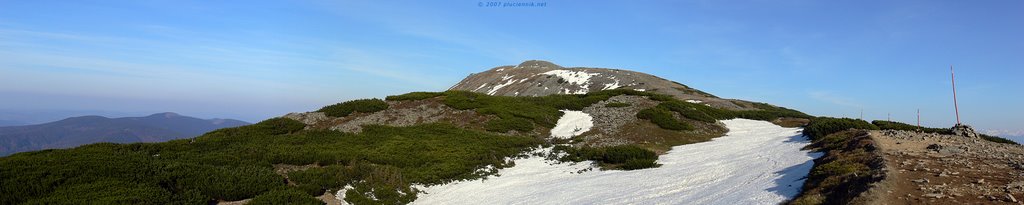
(74, 131)
(539, 78)
(373, 151)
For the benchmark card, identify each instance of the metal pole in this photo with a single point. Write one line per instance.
(918, 118)
(956, 108)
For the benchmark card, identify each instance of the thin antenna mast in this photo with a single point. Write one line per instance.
(956, 108)
(918, 118)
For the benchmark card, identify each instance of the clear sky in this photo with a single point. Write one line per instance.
(252, 59)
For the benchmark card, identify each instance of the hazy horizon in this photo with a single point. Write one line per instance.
(255, 60)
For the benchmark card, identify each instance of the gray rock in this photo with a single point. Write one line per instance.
(964, 130)
(309, 118)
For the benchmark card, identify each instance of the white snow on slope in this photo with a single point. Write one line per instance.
(496, 87)
(755, 163)
(573, 77)
(610, 86)
(571, 124)
(694, 101)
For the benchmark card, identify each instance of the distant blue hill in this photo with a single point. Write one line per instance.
(4, 123)
(76, 131)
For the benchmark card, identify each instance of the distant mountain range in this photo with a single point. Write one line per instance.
(75, 131)
(11, 123)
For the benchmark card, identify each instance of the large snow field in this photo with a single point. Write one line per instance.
(755, 163)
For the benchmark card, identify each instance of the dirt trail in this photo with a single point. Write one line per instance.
(927, 168)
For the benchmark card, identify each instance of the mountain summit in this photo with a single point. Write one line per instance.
(541, 78)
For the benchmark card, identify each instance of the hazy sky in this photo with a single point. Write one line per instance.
(253, 60)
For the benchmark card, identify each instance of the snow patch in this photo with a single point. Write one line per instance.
(340, 195)
(572, 123)
(694, 101)
(496, 87)
(573, 77)
(610, 86)
(481, 86)
(641, 90)
(755, 163)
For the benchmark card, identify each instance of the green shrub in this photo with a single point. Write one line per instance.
(234, 164)
(850, 166)
(822, 126)
(505, 125)
(617, 104)
(628, 157)
(284, 196)
(694, 111)
(384, 185)
(346, 108)
(413, 96)
(464, 100)
(663, 118)
(315, 180)
(635, 164)
(997, 139)
(108, 191)
(890, 125)
(277, 126)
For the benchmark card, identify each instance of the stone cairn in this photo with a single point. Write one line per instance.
(964, 130)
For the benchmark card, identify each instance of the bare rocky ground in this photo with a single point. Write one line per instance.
(926, 168)
(399, 114)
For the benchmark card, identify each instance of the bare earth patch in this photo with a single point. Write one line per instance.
(949, 169)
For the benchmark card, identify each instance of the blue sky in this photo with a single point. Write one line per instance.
(253, 60)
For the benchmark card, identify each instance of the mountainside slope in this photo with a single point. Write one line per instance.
(77, 131)
(540, 78)
(374, 151)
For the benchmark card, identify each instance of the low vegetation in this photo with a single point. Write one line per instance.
(347, 108)
(850, 165)
(997, 139)
(890, 125)
(617, 104)
(236, 163)
(626, 157)
(663, 118)
(662, 114)
(285, 196)
(823, 126)
(380, 163)
(525, 113)
(413, 96)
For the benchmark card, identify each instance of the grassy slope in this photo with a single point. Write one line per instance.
(382, 162)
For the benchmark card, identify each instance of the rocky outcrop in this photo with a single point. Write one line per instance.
(961, 168)
(964, 130)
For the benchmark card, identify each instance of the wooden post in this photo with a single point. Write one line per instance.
(956, 108)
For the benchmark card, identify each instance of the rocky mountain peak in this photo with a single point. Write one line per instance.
(540, 78)
(538, 64)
